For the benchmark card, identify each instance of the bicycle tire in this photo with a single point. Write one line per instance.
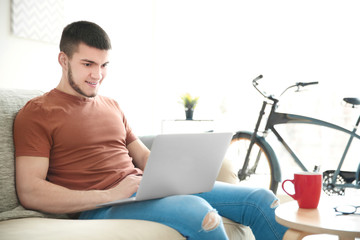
(264, 176)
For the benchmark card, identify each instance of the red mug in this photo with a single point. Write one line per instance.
(307, 186)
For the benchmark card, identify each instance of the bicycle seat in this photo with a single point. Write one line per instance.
(353, 101)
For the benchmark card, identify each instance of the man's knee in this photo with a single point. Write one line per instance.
(211, 221)
(265, 197)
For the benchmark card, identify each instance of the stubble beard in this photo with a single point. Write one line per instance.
(76, 87)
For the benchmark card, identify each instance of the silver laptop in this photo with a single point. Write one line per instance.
(181, 164)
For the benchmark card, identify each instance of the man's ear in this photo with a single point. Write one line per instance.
(63, 59)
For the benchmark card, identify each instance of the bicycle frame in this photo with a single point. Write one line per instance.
(276, 118)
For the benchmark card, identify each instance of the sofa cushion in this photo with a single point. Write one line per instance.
(59, 229)
(11, 101)
(54, 229)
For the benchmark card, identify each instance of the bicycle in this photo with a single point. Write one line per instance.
(257, 161)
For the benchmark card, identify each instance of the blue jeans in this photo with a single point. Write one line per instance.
(249, 206)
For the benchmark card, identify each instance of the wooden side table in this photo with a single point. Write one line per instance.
(323, 220)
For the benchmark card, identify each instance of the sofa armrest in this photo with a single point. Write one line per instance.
(227, 173)
(147, 140)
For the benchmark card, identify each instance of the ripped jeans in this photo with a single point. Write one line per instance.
(194, 216)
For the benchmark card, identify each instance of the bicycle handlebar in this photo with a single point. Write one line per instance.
(270, 96)
(257, 78)
(255, 83)
(303, 84)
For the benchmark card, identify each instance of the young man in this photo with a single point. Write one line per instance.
(75, 149)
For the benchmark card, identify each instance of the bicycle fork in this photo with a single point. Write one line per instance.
(242, 173)
(337, 171)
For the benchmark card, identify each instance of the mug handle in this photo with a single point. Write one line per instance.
(283, 187)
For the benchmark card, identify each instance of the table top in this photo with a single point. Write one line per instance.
(322, 220)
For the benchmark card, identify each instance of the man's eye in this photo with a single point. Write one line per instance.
(87, 64)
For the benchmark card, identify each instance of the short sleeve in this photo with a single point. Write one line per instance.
(32, 136)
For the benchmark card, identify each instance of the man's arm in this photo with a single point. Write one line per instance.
(35, 192)
(139, 152)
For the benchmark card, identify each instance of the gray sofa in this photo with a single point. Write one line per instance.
(19, 223)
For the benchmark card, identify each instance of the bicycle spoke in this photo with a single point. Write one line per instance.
(258, 173)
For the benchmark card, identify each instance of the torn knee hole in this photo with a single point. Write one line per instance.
(211, 221)
(275, 203)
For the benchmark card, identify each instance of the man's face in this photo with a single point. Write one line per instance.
(86, 71)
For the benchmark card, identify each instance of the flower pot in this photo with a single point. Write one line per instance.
(189, 113)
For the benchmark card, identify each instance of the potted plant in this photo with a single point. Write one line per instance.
(189, 103)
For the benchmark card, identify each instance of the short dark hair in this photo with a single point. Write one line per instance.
(83, 31)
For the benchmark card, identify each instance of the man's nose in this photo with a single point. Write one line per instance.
(96, 73)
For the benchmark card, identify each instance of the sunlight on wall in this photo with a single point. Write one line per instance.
(213, 49)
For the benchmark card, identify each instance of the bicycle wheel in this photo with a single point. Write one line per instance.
(260, 171)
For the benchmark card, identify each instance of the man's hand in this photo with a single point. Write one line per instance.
(126, 188)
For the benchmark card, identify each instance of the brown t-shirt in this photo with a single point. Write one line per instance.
(85, 139)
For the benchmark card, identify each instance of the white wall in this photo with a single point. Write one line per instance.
(212, 49)
(25, 63)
